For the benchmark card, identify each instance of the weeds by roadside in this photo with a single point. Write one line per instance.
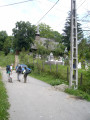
(4, 104)
(80, 94)
(48, 78)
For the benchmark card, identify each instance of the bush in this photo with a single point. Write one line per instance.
(31, 66)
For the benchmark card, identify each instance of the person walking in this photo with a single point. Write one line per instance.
(25, 75)
(19, 70)
(8, 70)
(11, 68)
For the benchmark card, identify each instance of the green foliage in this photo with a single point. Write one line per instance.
(67, 32)
(78, 93)
(86, 81)
(6, 59)
(59, 50)
(46, 78)
(24, 34)
(3, 36)
(40, 67)
(47, 32)
(41, 49)
(8, 44)
(83, 53)
(4, 104)
(24, 57)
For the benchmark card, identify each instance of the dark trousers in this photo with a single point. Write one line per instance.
(25, 78)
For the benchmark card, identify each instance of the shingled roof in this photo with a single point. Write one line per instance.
(43, 41)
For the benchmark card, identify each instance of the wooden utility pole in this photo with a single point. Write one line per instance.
(74, 48)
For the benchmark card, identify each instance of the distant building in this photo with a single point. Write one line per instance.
(48, 43)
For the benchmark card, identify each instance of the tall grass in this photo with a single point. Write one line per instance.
(4, 104)
(6, 60)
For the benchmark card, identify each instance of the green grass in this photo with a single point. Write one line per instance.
(6, 60)
(48, 78)
(80, 94)
(4, 104)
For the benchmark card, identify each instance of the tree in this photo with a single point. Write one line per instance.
(8, 44)
(84, 51)
(41, 49)
(59, 50)
(67, 32)
(3, 36)
(24, 34)
(47, 32)
(88, 40)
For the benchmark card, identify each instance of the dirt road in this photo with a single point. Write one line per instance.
(36, 100)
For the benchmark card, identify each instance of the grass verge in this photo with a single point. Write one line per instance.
(4, 104)
(48, 78)
(80, 94)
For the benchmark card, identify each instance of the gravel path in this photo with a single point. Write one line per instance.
(36, 100)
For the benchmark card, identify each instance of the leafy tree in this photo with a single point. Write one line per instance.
(59, 50)
(47, 43)
(88, 52)
(47, 32)
(57, 36)
(41, 49)
(67, 32)
(84, 50)
(8, 44)
(24, 34)
(88, 40)
(3, 36)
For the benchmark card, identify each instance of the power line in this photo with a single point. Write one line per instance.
(47, 12)
(15, 3)
(85, 17)
(81, 4)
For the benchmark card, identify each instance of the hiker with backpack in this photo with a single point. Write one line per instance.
(25, 74)
(22, 69)
(11, 68)
(8, 70)
(19, 71)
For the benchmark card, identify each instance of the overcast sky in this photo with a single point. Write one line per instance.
(33, 11)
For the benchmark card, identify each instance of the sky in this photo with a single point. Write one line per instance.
(33, 11)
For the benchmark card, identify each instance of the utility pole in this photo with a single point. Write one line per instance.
(73, 82)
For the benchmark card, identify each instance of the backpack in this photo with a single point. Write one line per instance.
(27, 71)
(19, 69)
(8, 68)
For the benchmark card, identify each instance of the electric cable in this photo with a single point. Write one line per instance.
(81, 4)
(15, 3)
(47, 12)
